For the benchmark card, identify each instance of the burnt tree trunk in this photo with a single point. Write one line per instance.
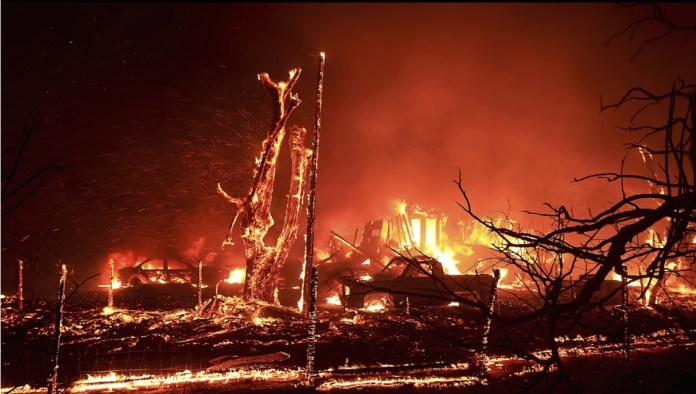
(263, 262)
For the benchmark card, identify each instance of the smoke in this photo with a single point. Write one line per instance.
(195, 252)
(507, 93)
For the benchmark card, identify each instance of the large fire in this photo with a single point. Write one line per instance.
(423, 231)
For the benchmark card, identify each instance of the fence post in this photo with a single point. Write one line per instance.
(20, 285)
(483, 358)
(200, 284)
(312, 193)
(312, 337)
(624, 317)
(110, 300)
(53, 380)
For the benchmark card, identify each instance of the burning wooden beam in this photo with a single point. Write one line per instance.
(312, 200)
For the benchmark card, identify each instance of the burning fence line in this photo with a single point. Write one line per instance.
(25, 389)
(113, 381)
(327, 380)
(416, 376)
(385, 375)
(364, 377)
(401, 381)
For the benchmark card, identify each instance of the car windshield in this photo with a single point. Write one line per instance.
(177, 265)
(153, 264)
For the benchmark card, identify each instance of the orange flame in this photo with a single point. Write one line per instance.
(334, 300)
(113, 381)
(237, 275)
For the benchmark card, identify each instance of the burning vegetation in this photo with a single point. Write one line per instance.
(417, 300)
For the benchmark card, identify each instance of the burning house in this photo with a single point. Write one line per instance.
(411, 233)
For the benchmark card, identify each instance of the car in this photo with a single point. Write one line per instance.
(421, 279)
(168, 271)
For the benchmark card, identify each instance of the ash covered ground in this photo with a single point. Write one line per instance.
(158, 333)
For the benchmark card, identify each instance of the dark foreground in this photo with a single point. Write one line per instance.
(160, 344)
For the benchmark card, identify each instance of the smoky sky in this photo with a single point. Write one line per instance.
(152, 104)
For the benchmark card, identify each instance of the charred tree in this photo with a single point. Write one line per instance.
(263, 262)
(615, 239)
(17, 188)
(567, 266)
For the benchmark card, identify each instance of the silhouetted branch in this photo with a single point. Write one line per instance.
(31, 185)
(656, 18)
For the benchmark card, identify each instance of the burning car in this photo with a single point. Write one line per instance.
(168, 271)
(421, 279)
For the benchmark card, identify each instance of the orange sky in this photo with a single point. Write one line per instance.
(152, 105)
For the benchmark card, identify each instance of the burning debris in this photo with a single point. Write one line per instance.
(264, 346)
(419, 300)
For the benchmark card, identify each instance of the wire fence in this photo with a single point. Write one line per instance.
(145, 361)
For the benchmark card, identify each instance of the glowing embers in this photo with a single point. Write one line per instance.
(334, 300)
(455, 375)
(375, 303)
(113, 381)
(236, 276)
(683, 289)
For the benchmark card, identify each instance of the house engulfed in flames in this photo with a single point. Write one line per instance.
(411, 231)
